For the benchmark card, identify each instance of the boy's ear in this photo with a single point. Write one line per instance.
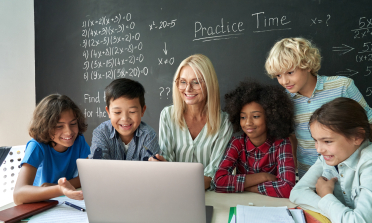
(143, 110)
(108, 111)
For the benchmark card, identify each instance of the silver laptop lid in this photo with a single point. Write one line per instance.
(137, 191)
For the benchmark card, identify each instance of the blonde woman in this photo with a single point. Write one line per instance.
(194, 129)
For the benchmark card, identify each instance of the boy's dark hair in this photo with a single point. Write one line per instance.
(47, 114)
(344, 116)
(126, 88)
(277, 106)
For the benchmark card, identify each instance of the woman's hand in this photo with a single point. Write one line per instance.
(159, 158)
(324, 186)
(69, 190)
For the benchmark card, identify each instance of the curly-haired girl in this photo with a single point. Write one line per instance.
(262, 155)
(49, 166)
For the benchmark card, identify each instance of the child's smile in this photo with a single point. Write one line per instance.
(334, 147)
(125, 115)
(252, 122)
(65, 131)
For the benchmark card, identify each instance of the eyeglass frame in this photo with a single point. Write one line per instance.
(188, 83)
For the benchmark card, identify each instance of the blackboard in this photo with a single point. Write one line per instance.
(81, 46)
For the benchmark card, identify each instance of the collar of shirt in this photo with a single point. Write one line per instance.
(353, 160)
(263, 148)
(318, 87)
(139, 131)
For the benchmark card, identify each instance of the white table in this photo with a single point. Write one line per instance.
(222, 202)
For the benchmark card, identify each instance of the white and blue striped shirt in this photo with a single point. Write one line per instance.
(177, 144)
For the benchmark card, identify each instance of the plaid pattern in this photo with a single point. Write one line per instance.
(274, 157)
(326, 89)
(108, 140)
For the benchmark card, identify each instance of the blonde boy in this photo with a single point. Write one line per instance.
(295, 63)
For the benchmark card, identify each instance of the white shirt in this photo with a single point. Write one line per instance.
(351, 200)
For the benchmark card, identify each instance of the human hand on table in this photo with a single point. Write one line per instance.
(68, 190)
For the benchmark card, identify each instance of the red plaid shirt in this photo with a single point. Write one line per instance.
(274, 157)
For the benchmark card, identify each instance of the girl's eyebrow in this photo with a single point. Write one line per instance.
(256, 111)
(325, 138)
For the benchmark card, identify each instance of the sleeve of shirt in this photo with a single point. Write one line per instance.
(304, 192)
(165, 135)
(353, 92)
(100, 140)
(224, 180)
(151, 142)
(338, 212)
(34, 154)
(223, 138)
(286, 174)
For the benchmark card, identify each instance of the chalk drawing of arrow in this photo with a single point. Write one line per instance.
(369, 89)
(344, 49)
(165, 48)
(347, 73)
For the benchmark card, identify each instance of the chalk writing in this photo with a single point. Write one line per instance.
(342, 49)
(361, 58)
(223, 30)
(347, 73)
(270, 23)
(365, 26)
(369, 69)
(367, 48)
(316, 21)
(163, 24)
(369, 91)
(167, 89)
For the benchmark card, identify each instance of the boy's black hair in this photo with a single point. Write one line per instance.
(126, 88)
(276, 103)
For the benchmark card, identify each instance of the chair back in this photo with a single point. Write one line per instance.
(9, 169)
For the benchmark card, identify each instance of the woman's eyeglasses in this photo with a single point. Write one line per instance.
(194, 84)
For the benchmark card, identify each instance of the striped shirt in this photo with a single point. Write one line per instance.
(274, 157)
(326, 89)
(108, 140)
(178, 146)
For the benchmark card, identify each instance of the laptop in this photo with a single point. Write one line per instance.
(137, 191)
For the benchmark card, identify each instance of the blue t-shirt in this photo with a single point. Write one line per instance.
(52, 165)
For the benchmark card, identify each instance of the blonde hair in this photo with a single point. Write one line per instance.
(204, 70)
(290, 53)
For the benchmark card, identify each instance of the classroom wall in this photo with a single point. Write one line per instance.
(17, 70)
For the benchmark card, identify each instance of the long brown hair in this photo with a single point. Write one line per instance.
(48, 112)
(344, 116)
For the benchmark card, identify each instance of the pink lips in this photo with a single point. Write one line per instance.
(327, 158)
(127, 127)
(289, 86)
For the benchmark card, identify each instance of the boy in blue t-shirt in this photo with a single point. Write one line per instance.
(124, 136)
(295, 63)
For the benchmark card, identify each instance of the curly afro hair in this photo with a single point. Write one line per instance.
(274, 100)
